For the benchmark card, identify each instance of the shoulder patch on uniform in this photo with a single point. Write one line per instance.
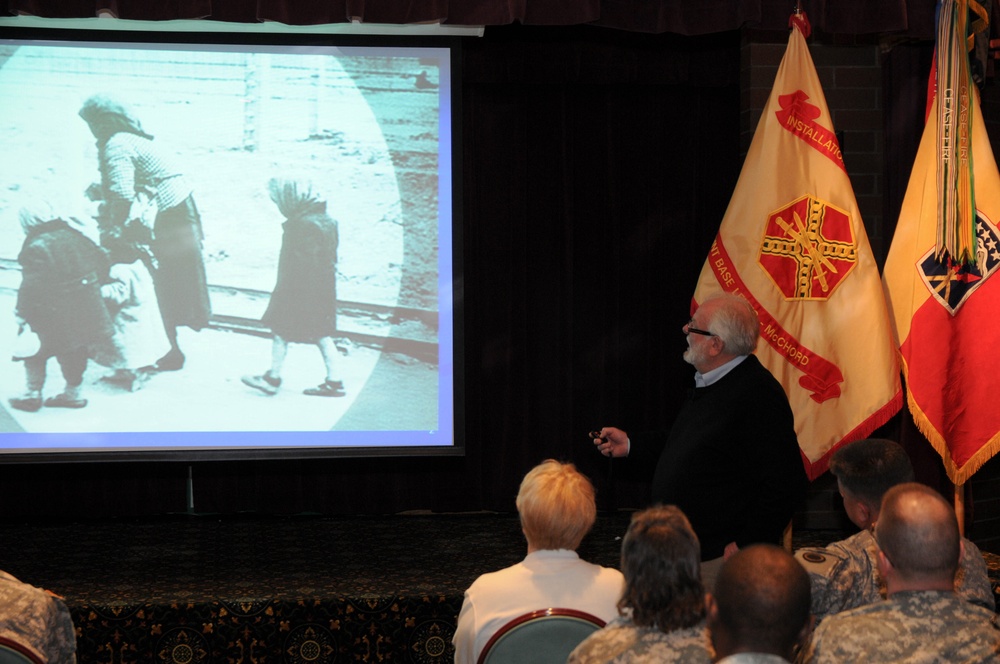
(818, 561)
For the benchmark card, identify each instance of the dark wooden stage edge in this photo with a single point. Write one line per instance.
(193, 589)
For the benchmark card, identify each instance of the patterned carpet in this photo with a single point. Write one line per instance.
(304, 590)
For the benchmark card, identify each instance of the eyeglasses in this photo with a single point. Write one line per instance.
(691, 329)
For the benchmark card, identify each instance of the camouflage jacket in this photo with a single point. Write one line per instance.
(913, 626)
(37, 619)
(845, 575)
(622, 641)
(752, 658)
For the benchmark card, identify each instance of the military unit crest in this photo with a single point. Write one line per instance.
(808, 248)
(951, 283)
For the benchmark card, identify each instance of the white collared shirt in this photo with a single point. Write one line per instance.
(716, 374)
(544, 579)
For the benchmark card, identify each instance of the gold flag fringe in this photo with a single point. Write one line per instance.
(957, 475)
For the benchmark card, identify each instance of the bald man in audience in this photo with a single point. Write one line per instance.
(923, 620)
(758, 612)
(844, 575)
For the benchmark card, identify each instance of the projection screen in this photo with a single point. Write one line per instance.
(364, 127)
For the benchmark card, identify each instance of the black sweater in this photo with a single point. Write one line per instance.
(731, 461)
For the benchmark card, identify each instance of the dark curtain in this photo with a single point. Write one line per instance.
(592, 226)
(905, 69)
(685, 17)
(596, 167)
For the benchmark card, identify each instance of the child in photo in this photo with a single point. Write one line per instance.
(303, 304)
(139, 337)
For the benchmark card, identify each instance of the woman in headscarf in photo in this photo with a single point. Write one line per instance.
(148, 199)
(62, 269)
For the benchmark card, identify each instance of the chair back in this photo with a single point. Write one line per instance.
(539, 637)
(13, 652)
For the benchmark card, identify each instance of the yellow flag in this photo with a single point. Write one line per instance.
(793, 243)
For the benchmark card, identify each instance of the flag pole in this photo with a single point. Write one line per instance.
(960, 507)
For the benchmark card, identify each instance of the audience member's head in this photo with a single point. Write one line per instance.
(918, 538)
(661, 562)
(760, 603)
(865, 470)
(556, 505)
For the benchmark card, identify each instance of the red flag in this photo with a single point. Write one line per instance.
(945, 313)
(793, 243)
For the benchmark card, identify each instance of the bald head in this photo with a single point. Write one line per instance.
(760, 603)
(918, 532)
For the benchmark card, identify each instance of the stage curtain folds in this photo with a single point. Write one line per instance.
(686, 17)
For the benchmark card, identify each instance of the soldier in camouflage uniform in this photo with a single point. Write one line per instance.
(844, 575)
(923, 619)
(758, 612)
(663, 607)
(37, 619)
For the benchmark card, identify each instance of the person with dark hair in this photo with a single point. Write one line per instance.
(844, 575)
(758, 612)
(662, 611)
(146, 197)
(303, 304)
(62, 269)
(731, 461)
(923, 619)
(557, 509)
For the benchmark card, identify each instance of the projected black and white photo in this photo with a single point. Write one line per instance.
(224, 246)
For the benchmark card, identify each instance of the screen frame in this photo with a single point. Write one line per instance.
(288, 37)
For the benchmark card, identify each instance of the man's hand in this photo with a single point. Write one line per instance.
(611, 442)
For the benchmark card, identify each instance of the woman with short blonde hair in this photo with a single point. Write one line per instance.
(556, 505)
(556, 508)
